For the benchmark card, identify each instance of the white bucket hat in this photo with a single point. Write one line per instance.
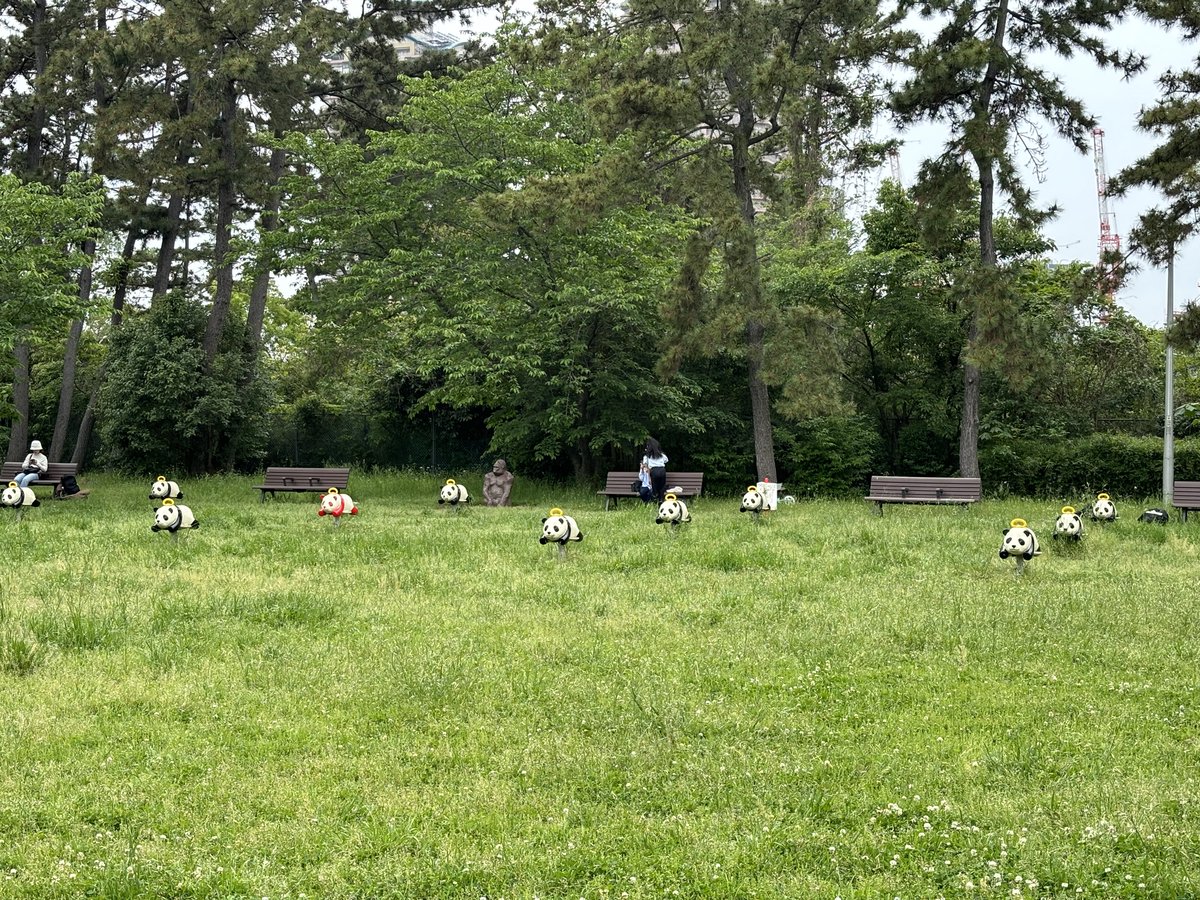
(36, 445)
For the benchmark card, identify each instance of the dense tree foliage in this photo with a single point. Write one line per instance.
(982, 74)
(536, 305)
(713, 93)
(609, 224)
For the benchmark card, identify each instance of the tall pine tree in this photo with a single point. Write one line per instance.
(979, 75)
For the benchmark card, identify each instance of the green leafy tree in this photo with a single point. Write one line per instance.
(1172, 168)
(41, 230)
(979, 73)
(716, 94)
(165, 408)
(489, 245)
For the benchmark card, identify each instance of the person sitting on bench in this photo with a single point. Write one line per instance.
(34, 466)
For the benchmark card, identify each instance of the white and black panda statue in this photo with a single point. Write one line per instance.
(1155, 516)
(1068, 525)
(18, 497)
(752, 500)
(559, 528)
(672, 511)
(453, 493)
(1104, 510)
(1019, 541)
(337, 504)
(161, 489)
(172, 517)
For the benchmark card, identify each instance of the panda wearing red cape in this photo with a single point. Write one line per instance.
(337, 504)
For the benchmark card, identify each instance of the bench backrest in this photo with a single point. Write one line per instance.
(305, 477)
(621, 483)
(1186, 494)
(54, 472)
(912, 487)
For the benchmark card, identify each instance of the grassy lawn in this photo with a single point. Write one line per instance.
(419, 703)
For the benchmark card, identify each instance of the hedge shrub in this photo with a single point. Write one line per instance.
(1121, 465)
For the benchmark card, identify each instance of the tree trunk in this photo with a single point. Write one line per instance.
(223, 243)
(84, 435)
(744, 262)
(89, 418)
(257, 307)
(968, 435)
(37, 115)
(18, 437)
(66, 393)
(170, 232)
(268, 224)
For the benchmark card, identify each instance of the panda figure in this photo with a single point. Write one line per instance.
(161, 489)
(672, 511)
(752, 500)
(18, 497)
(337, 504)
(171, 517)
(1021, 542)
(1155, 516)
(1103, 509)
(453, 493)
(1068, 525)
(558, 528)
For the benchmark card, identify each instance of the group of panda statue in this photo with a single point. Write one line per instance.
(1021, 543)
(172, 516)
(559, 528)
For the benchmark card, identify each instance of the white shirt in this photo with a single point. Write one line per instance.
(36, 459)
(651, 462)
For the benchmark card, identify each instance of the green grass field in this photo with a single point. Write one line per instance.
(419, 703)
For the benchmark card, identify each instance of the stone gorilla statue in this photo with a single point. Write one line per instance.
(497, 484)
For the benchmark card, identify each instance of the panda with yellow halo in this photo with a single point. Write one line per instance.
(1104, 510)
(1068, 526)
(1020, 542)
(337, 504)
(17, 497)
(559, 528)
(161, 489)
(752, 500)
(672, 511)
(453, 493)
(172, 517)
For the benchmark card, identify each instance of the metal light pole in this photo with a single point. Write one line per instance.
(1169, 417)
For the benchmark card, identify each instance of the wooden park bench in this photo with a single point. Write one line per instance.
(294, 480)
(52, 479)
(915, 489)
(1185, 496)
(620, 485)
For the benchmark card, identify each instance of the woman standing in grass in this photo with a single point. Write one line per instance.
(656, 462)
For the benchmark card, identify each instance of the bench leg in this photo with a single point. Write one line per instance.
(878, 508)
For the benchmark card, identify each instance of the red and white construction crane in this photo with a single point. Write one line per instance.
(1110, 241)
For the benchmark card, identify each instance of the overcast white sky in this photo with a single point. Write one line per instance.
(1070, 177)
